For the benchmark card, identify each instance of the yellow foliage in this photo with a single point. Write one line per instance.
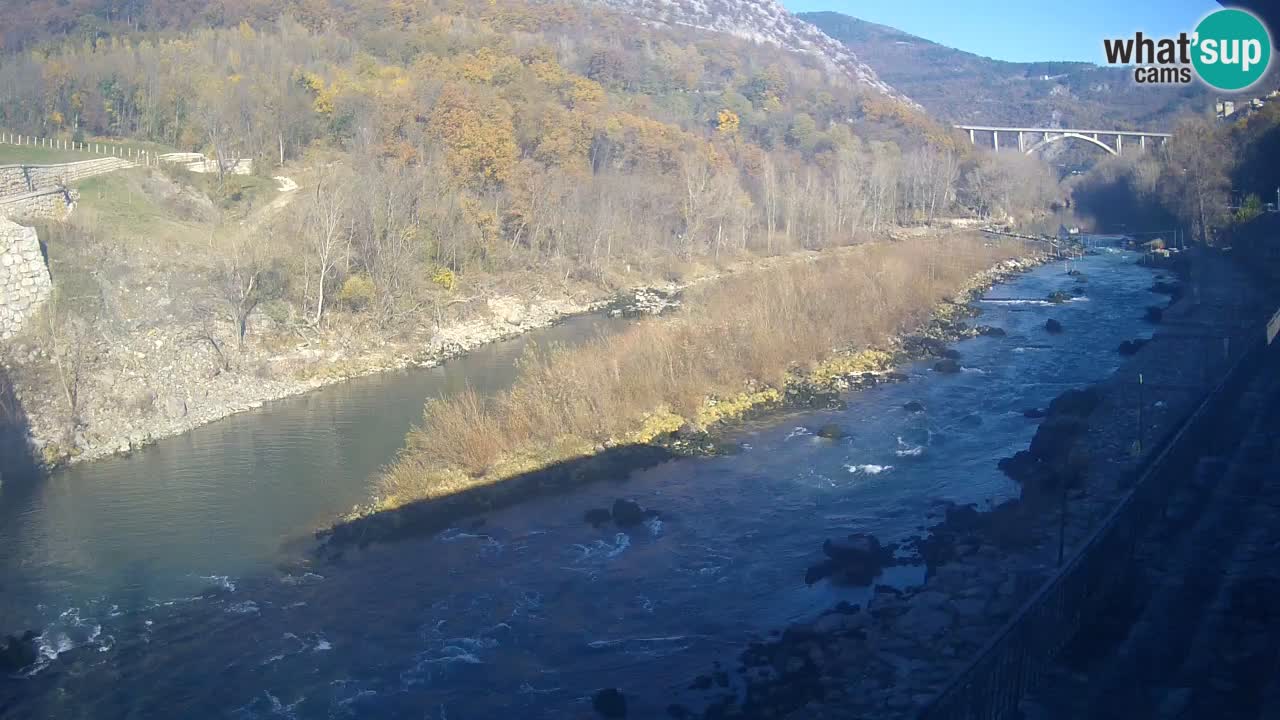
(865, 361)
(445, 278)
(357, 292)
(582, 92)
(734, 408)
(479, 134)
(727, 121)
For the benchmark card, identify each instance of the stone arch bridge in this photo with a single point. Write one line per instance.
(1032, 139)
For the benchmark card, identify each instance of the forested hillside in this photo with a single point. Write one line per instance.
(449, 152)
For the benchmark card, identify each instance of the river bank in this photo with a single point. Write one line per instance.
(889, 656)
(525, 611)
(420, 495)
(136, 390)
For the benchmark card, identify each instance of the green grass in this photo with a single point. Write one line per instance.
(32, 155)
(118, 205)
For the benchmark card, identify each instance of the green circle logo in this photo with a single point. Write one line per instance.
(1232, 49)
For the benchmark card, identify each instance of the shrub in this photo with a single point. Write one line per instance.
(445, 278)
(356, 293)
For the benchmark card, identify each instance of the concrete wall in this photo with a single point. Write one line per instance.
(24, 279)
(53, 203)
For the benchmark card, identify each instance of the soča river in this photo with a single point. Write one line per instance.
(163, 581)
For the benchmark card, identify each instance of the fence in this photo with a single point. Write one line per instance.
(991, 686)
(138, 155)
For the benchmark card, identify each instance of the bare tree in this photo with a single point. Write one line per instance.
(244, 278)
(69, 339)
(326, 227)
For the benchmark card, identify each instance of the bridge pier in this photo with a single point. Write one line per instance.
(1021, 145)
(995, 140)
(1119, 144)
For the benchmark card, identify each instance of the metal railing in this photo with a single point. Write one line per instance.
(1013, 661)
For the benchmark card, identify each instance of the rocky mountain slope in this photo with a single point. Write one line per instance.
(966, 88)
(761, 21)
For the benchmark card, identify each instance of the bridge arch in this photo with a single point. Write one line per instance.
(1064, 136)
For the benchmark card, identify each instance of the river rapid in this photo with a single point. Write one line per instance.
(163, 584)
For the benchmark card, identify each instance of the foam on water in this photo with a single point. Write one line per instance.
(868, 469)
(220, 581)
(247, 607)
(798, 432)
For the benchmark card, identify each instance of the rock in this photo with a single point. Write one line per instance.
(1154, 314)
(1075, 273)
(627, 513)
(1079, 402)
(923, 346)
(948, 366)
(1033, 413)
(989, 331)
(914, 406)
(923, 621)
(610, 703)
(1058, 297)
(856, 560)
(1077, 292)
(830, 431)
(951, 354)
(1131, 347)
(970, 607)
(1053, 326)
(833, 623)
(597, 516)
(175, 407)
(17, 652)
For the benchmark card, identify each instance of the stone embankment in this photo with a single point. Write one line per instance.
(24, 279)
(888, 659)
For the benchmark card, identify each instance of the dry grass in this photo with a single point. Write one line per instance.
(740, 335)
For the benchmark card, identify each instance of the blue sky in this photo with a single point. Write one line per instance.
(1023, 30)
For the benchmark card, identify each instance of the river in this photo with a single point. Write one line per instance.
(164, 589)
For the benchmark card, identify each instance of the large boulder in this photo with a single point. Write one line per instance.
(627, 513)
(854, 560)
(1079, 402)
(947, 366)
(1057, 297)
(1131, 347)
(914, 406)
(610, 703)
(17, 652)
(830, 431)
(597, 516)
(1053, 326)
(990, 331)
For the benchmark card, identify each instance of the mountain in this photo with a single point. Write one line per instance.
(761, 21)
(962, 87)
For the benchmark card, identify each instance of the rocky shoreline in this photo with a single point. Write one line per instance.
(890, 658)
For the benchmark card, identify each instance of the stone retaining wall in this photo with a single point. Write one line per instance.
(17, 179)
(24, 279)
(53, 203)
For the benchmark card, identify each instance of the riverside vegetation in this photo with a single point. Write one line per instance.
(733, 347)
(463, 166)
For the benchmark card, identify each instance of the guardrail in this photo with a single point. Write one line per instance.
(138, 155)
(992, 684)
